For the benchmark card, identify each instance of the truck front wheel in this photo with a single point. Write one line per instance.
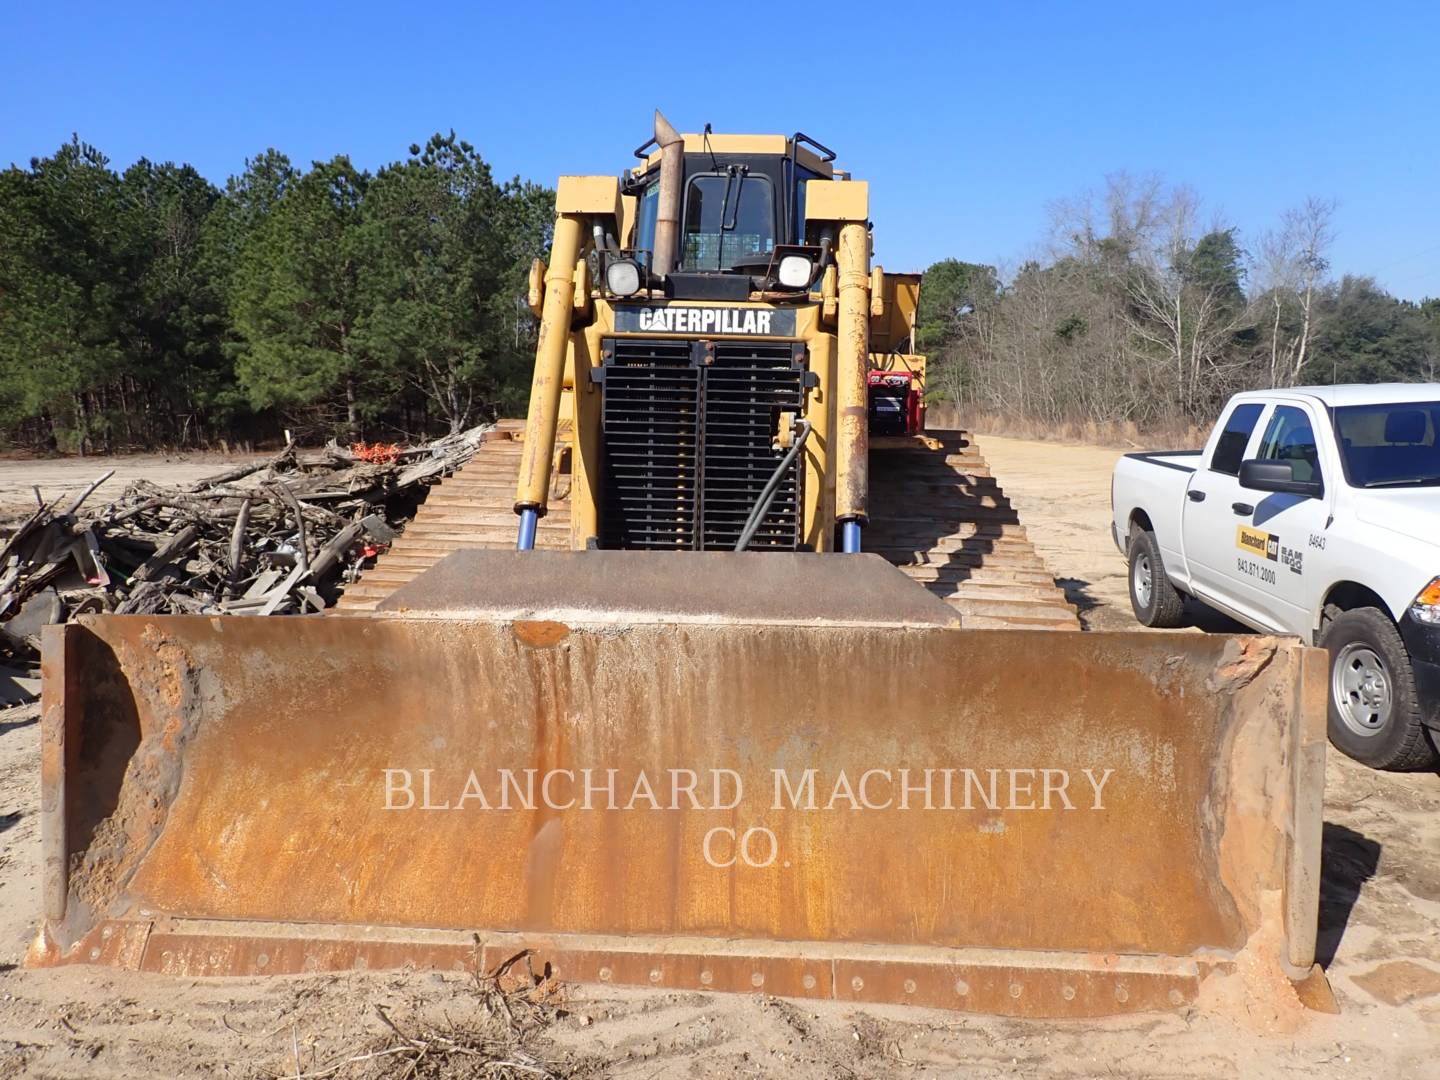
(1155, 601)
(1374, 709)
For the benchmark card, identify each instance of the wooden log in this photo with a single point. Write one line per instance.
(329, 556)
(237, 540)
(172, 549)
(23, 533)
(79, 499)
(239, 472)
(294, 504)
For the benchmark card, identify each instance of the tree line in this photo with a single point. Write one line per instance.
(150, 308)
(1141, 313)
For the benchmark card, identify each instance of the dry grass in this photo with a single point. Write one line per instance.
(1126, 436)
(500, 1039)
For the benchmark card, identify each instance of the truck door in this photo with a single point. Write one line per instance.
(1210, 518)
(1284, 535)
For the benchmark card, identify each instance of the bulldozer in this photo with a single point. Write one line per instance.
(720, 673)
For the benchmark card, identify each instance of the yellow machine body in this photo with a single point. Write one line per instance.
(832, 322)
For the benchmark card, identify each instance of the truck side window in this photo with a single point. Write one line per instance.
(1289, 437)
(1231, 448)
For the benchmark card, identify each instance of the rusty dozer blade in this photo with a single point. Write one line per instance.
(827, 792)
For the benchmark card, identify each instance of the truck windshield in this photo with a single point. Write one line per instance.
(1390, 445)
(728, 218)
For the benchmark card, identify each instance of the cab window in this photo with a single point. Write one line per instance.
(1289, 437)
(648, 211)
(728, 218)
(1230, 448)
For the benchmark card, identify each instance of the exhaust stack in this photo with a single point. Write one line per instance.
(667, 217)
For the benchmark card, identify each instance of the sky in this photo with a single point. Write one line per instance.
(969, 119)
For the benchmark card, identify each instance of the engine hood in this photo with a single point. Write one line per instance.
(1414, 513)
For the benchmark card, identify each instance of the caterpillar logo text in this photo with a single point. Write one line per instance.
(683, 319)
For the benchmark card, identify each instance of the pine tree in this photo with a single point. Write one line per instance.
(295, 297)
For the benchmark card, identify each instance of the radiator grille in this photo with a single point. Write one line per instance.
(687, 443)
(746, 388)
(651, 422)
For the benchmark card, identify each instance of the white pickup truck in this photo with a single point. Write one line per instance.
(1316, 512)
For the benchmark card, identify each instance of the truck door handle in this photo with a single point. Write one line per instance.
(1244, 509)
(1195, 496)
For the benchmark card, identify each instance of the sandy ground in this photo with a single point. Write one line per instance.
(1379, 937)
(1062, 492)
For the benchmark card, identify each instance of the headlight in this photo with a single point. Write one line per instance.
(622, 277)
(1426, 607)
(795, 271)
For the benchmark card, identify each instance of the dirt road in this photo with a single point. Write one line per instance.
(1380, 936)
(1063, 494)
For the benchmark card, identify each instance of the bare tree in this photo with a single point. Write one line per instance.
(1293, 262)
(1143, 310)
(1140, 238)
(1111, 225)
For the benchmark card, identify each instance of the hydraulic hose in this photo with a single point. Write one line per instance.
(767, 496)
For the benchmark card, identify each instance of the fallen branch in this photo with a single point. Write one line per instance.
(253, 539)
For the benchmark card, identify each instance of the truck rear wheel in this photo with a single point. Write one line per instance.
(1374, 709)
(1154, 600)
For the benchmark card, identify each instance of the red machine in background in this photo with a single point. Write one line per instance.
(896, 382)
(897, 405)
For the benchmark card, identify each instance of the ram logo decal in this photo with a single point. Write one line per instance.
(1294, 558)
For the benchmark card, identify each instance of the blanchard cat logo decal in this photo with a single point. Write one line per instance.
(1258, 542)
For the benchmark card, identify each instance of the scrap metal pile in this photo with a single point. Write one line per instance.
(270, 537)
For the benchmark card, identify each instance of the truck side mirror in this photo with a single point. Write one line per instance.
(1278, 477)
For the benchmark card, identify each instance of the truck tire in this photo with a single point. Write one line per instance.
(1374, 709)
(1154, 600)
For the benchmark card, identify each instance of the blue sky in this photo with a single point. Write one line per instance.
(969, 119)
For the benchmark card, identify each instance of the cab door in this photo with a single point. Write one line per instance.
(1210, 517)
(1285, 534)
